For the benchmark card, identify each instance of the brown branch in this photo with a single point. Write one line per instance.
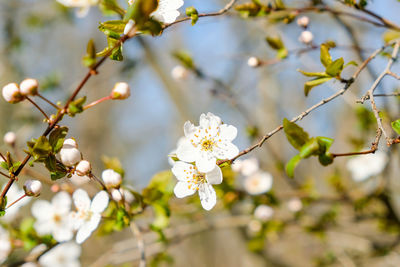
(38, 107)
(48, 101)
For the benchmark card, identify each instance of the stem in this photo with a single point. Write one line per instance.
(5, 175)
(94, 103)
(99, 181)
(140, 243)
(16, 201)
(48, 101)
(37, 106)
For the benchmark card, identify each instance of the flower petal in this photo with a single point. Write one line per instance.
(208, 197)
(42, 210)
(81, 199)
(44, 227)
(214, 176)
(183, 171)
(62, 233)
(188, 128)
(205, 162)
(99, 202)
(186, 151)
(62, 202)
(182, 190)
(228, 132)
(226, 150)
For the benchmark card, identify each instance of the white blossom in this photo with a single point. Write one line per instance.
(206, 143)
(83, 168)
(364, 166)
(88, 214)
(62, 255)
(111, 178)
(254, 226)
(79, 180)
(253, 62)
(179, 73)
(246, 167)
(303, 21)
(29, 86)
(11, 93)
(191, 180)
(167, 10)
(5, 244)
(263, 213)
(10, 138)
(120, 91)
(69, 153)
(32, 188)
(119, 194)
(258, 183)
(83, 5)
(306, 37)
(13, 194)
(52, 217)
(128, 27)
(295, 205)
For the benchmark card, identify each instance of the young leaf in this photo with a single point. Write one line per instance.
(396, 126)
(40, 148)
(325, 159)
(275, 42)
(313, 74)
(335, 68)
(325, 57)
(57, 137)
(291, 165)
(309, 149)
(112, 26)
(296, 136)
(311, 84)
(76, 106)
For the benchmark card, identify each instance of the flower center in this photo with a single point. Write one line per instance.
(197, 180)
(57, 218)
(207, 145)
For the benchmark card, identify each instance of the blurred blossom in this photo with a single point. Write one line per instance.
(295, 205)
(118, 194)
(363, 167)
(179, 73)
(52, 217)
(10, 138)
(88, 215)
(167, 10)
(191, 180)
(254, 226)
(29, 264)
(79, 180)
(258, 183)
(263, 213)
(111, 178)
(246, 167)
(303, 21)
(82, 5)
(12, 195)
(5, 244)
(306, 37)
(253, 62)
(62, 255)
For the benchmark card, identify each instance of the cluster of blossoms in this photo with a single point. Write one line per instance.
(198, 152)
(306, 36)
(14, 93)
(365, 166)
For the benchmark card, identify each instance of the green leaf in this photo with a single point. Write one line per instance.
(335, 68)
(161, 187)
(56, 169)
(275, 42)
(350, 63)
(40, 149)
(185, 59)
(291, 165)
(117, 52)
(324, 143)
(140, 10)
(310, 148)
(56, 138)
(311, 84)
(313, 74)
(325, 56)
(282, 53)
(110, 6)
(390, 35)
(296, 136)
(76, 106)
(396, 126)
(4, 165)
(151, 26)
(325, 159)
(3, 205)
(193, 14)
(112, 27)
(162, 214)
(90, 58)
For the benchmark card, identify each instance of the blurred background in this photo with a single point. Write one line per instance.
(44, 40)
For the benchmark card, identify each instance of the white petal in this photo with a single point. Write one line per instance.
(188, 128)
(42, 210)
(226, 150)
(182, 190)
(258, 183)
(62, 233)
(186, 151)
(207, 195)
(183, 170)
(44, 227)
(206, 162)
(81, 200)
(82, 12)
(214, 176)
(99, 202)
(228, 132)
(62, 202)
(86, 230)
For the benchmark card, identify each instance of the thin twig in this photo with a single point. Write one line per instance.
(48, 101)
(37, 106)
(140, 243)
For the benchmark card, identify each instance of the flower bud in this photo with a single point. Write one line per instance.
(120, 91)
(263, 213)
(10, 138)
(118, 194)
(128, 28)
(253, 62)
(111, 178)
(29, 87)
(306, 37)
(83, 168)
(179, 73)
(69, 153)
(11, 93)
(303, 21)
(32, 188)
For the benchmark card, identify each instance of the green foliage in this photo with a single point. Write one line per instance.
(396, 126)
(114, 164)
(193, 14)
(110, 7)
(40, 148)
(140, 11)
(76, 106)
(3, 205)
(185, 59)
(112, 27)
(276, 43)
(57, 137)
(390, 35)
(90, 58)
(252, 9)
(307, 147)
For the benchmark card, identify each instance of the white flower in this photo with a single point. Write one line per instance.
(29, 264)
(79, 180)
(111, 178)
(118, 194)
(303, 21)
(306, 37)
(179, 73)
(191, 180)
(258, 183)
(5, 244)
(364, 166)
(83, 5)
(208, 142)
(63, 255)
(32, 188)
(295, 205)
(88, 214)
(253, 62)
(120, 91)
(11, 93)
(29, 86)
(52, 217)
(13, 194)
(167, 10)
(128, 27)
(246, 167)
(83, 168)
(69, 153)
(10, 138)
(254, 226)
(263, 213)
